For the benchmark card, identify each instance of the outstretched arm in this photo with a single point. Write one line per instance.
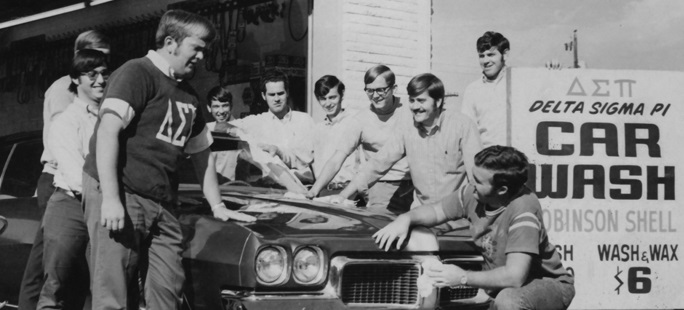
(449, 208)
(398, 230)
(331, 168)
(206, 171)
(513, 274)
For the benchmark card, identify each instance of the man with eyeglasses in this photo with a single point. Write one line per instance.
(57, 98)
(64, 229)
(393, 192)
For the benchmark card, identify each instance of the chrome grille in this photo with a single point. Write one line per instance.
(380, 284)
(457, 293)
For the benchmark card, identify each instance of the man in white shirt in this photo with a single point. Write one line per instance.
(329, 92)
(484, 100)
(64, 229)
(280, 131)
(57, 98)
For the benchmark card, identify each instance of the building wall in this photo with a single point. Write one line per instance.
(351, 36)
(345, 38)
(260, 40)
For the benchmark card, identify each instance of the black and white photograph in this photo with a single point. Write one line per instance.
(341, 154)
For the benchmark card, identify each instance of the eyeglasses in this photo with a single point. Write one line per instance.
(92, 75)
(380, 91)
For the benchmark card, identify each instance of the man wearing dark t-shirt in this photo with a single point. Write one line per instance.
(522, 268)
(147, 124)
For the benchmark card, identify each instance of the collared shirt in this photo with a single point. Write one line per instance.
(439, 160)
(57, 98)
(372, 131)
(293, 135)
(68, 141)
(485, 102)
(126, 112)
(328, 134)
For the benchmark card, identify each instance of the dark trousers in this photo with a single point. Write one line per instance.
(32, 282)
(393, 197)
(65, 237)
(151, 235)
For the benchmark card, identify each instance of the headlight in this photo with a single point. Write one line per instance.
(272, 266)
(308, 266)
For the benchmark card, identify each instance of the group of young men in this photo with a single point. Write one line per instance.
(112, 156)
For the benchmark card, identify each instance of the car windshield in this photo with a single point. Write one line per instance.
(237, 164)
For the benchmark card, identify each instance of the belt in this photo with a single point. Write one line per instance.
(69, 193)
(337, 185)
(394, 182)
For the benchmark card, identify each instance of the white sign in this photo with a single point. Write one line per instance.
(607, 148)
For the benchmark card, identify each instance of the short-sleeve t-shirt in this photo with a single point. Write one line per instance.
(152, 145)
(517, 227)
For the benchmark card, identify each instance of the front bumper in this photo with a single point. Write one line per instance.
(336, 294)
(232, 301)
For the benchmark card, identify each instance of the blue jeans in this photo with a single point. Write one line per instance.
(151, 238)
(65, 239)
(541, 294)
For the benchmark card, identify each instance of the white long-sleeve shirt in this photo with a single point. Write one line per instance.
(57, 98)
(68, 141)
(293, 135)
(484, 101)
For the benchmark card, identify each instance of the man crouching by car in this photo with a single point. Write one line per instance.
(522, 268)
(149, 122)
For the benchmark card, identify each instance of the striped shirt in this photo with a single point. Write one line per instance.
(515, 228)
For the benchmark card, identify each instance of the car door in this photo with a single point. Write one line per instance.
(20, 169)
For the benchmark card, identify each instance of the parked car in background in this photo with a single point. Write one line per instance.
(299, 254)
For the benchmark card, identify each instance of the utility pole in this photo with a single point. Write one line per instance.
(574, 50)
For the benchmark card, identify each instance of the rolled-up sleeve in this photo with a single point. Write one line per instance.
(453, 204)
(119, 108)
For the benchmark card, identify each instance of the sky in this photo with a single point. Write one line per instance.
(612, 34)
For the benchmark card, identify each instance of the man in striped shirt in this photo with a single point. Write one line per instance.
(522, 268)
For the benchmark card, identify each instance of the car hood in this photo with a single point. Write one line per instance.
(279, 217)
(298, 220)
(230, 247)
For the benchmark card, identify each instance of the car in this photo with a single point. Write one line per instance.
(299, 254)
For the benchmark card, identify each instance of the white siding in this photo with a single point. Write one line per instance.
(395, 33)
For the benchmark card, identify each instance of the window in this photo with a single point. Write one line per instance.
(22, 170)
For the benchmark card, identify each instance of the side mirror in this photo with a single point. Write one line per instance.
(3, 224)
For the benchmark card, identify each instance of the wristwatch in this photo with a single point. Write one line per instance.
(464, 279)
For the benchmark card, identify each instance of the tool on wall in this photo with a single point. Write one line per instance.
(289, 24)
(29, 69)
(212, 61)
